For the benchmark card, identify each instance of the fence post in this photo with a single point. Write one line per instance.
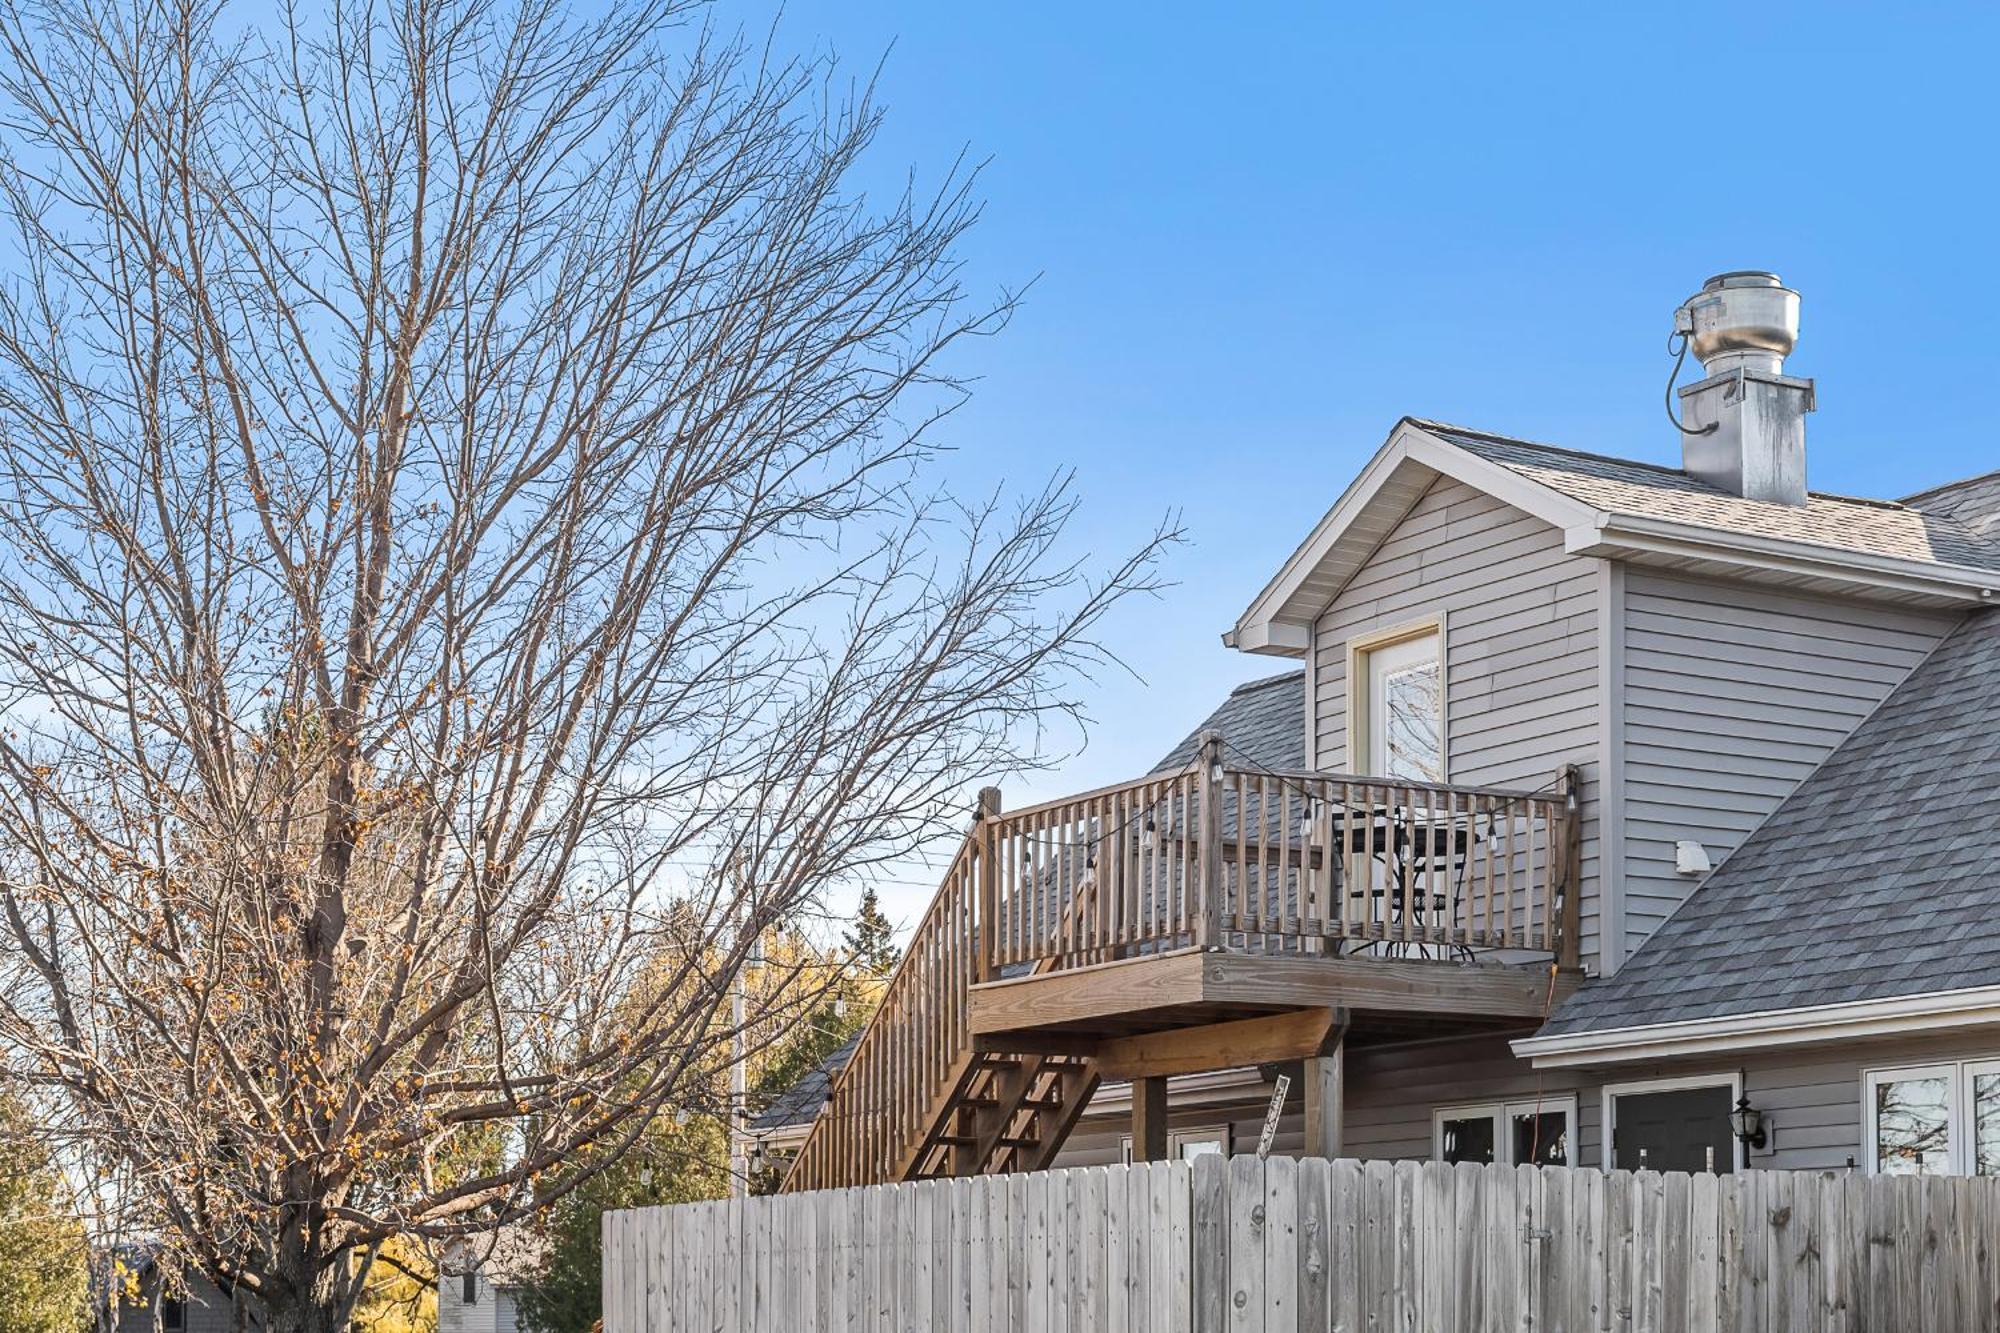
(1569, 946)
(1208, 840)
(986, 942)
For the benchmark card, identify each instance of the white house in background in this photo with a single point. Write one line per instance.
(479, 1281)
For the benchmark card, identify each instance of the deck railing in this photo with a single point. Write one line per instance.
(1263, 861)
(1206, 856)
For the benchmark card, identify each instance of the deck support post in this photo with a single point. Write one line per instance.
(987, 941)
(1208, 839)
(1325, 1078)
(1149, 1119)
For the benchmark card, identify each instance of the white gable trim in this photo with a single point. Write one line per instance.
(1854, 1020)
(1280, 620)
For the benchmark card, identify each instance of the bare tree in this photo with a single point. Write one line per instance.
(469, 564)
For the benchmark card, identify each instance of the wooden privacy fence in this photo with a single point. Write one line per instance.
(1316, 1245)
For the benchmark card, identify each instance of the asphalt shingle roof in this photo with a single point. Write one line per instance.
(1933, 533)
(1973, 503)
(799, 1103)
(1263, 724)
(1878, 877)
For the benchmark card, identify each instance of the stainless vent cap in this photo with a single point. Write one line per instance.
(1745, 319)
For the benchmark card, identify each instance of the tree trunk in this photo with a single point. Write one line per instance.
(324, 1302)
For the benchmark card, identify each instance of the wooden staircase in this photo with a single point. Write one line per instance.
(1339, 882)
(917, 1100)
(1012, 1114)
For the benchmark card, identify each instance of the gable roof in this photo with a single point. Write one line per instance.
(1876, 879)
(1880, 528)
(1616, 508)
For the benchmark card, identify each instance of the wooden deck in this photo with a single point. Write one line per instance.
(1186, 988)
(1206, 914)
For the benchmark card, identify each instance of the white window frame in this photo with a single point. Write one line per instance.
(1359, 696)
(1608, 1120)
(1502, 1114)
(1180, 1138)
(1961, 1158)
(1969, 1070)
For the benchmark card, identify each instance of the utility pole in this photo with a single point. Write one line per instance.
(739, 1088)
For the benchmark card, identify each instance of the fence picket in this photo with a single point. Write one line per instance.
(1285, 1246)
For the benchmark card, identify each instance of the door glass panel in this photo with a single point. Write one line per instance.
(1469, 1140)
(1677, 1129)
(1986, 1124)
(1541, 1139)
(1405, 709)
(1913, 1126)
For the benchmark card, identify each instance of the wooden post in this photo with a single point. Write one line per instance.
(1208, 836)
(987, 943)
(1149, 1119)
(1325, 1075)
(1569, 947)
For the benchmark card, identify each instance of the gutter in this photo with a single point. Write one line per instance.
(1854, 1020)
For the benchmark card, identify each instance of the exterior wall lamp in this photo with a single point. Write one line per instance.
(1747, 1122)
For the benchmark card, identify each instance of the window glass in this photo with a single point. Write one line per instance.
(1541, 1139)
(1468, 1139)
(1193, 1148)
(1913, 1125)
(1405, 706)
(1986, 1124)
(1411, 699)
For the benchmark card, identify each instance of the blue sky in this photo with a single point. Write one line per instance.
(1262, 233)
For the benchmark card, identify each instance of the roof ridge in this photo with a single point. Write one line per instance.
(1949, 486)
(1264, 682)
(1662, 468)
(1498, 438)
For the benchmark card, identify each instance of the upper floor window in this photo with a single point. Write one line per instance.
(1933, 1120)
(1397, 697)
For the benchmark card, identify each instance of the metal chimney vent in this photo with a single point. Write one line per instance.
(1746, 319)
(1743, 427)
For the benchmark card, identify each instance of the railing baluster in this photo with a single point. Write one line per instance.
(1080, 880)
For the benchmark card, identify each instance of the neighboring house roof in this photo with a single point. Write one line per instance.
(1876, 879)
(1262, 723)
(509, 1257)
(798, 1104)
(1928, 553)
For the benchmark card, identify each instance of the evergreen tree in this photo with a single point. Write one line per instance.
(673, 1163)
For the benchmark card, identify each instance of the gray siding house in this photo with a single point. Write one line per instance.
(1782, 940)
(199, 1306)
